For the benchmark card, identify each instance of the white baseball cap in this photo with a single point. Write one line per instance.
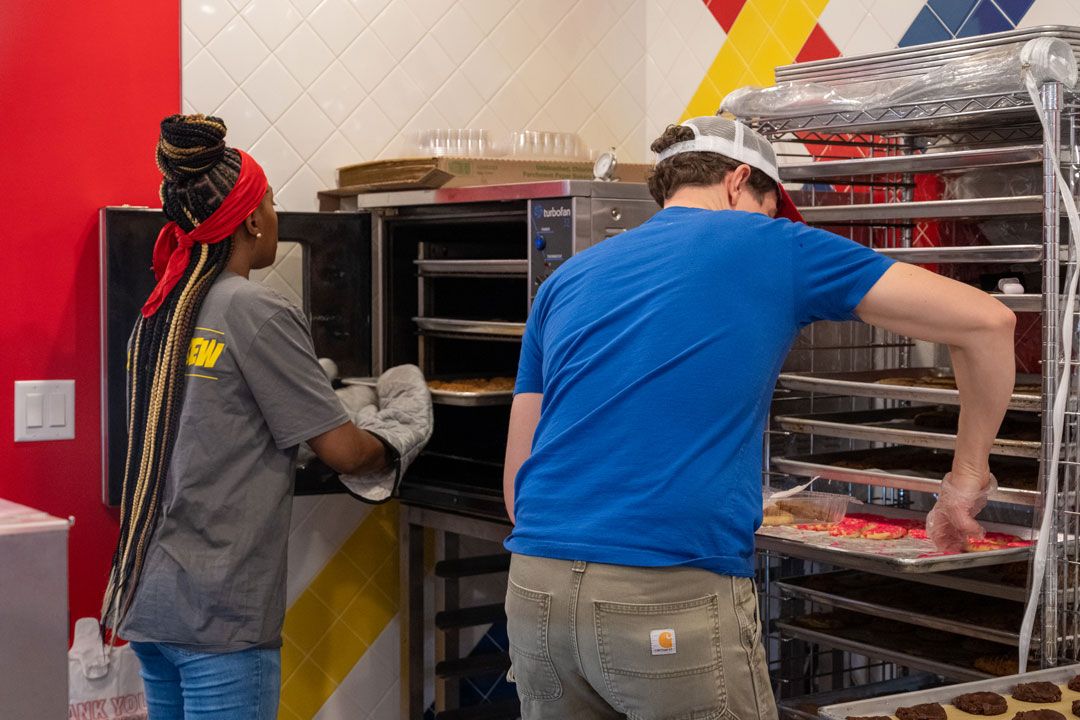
(740, 143)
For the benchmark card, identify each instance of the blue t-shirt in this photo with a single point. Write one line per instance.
(657, 352)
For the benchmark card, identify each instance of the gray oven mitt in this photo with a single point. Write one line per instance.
(402, 420)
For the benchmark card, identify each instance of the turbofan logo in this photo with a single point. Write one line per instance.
(556, 212)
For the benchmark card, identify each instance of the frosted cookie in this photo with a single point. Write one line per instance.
(982, 703)
(925, 711)
(973, 545)
(817, 527)
(882, 531)
(1037, 692)
(1001, 538)
(848, 527)
(918, 534)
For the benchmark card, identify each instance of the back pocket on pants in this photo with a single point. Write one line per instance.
(527, 624)
(663, 661)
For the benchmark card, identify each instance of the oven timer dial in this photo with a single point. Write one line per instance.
(604, 167)
(541, 243)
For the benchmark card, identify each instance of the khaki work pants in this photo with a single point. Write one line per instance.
(589, 640)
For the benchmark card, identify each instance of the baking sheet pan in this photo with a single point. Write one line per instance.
(906, 555)
(886, 468)
(805, 707)
(487, 328)
(896, 425)
(451, 397)
(862, 642)
(886, 705)
(894, 599)
(867, 384)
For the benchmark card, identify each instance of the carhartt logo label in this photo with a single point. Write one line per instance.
(663, 641)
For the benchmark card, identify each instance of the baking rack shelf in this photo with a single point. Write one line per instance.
(861, 643)
(892, 599)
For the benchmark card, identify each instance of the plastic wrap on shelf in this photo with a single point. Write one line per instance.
(995, 183)
(792, 99)
(996, 71)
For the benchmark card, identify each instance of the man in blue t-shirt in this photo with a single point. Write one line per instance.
(633, 463)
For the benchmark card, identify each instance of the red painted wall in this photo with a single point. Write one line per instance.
(82, 88)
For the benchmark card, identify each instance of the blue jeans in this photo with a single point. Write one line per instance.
(185, 685)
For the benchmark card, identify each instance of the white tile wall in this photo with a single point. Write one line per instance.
(310, 85)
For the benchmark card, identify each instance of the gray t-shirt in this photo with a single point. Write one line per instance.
(214, 575)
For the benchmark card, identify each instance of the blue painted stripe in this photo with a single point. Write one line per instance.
(925, 28)
(986, 19)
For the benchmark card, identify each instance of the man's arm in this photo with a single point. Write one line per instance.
(349, 450)
(979, 332)
(524, 417)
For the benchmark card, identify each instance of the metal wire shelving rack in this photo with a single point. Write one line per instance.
(863, 185)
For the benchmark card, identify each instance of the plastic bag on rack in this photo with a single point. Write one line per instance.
(792, 99)
(992, 72)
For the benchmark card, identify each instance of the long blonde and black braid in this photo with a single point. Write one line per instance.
(198, 171)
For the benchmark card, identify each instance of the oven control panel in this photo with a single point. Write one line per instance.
(551, 238)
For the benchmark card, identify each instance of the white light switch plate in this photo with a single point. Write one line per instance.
(44, 410)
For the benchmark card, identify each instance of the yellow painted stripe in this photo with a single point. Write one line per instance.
(340, 614)
(201, 376)
(209, 330)
(766, 33)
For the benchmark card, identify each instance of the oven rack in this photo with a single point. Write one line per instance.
(820, 465)
(851, 641)
(866, 383)
(894, 425)
(506, 268)
(451, 397)
(856, 586)
(475, 329)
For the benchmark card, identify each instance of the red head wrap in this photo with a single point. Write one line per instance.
(173, 247)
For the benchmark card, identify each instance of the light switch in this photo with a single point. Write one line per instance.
(44, 410)
(55, 410)
(34, 410)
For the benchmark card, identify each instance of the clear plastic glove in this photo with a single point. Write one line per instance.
(952, 520)
(402, 420)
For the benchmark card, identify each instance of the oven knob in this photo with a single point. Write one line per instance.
(541, 243)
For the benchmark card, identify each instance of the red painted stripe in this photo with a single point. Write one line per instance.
(725, 11)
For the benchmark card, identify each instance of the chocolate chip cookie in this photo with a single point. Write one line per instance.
(1037, 692)
(925, 711)
(982, 703)
(1038, 715)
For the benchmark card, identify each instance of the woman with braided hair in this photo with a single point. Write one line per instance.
(223, 387)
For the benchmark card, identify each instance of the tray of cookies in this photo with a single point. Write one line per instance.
(923, 384)
(1051, 694)
(891, 598)
(890, 540)
(909, 468)
(932, 426)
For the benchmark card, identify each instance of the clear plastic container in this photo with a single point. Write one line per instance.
(806, 507)
(532, 144)
(453, 142)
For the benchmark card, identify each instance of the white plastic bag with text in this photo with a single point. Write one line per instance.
(103, 684)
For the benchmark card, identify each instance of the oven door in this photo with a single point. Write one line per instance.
(323, 265)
